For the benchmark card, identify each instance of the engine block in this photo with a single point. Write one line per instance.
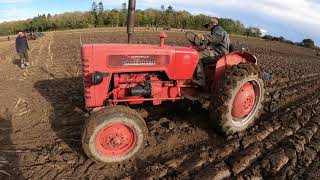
(135, 88)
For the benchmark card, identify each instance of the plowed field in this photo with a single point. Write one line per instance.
(42, 113)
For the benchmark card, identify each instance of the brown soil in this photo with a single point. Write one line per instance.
(42, 114)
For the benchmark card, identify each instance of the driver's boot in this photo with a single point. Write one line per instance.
(201, 77)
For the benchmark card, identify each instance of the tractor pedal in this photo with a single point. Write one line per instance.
(199, 82)
(195, 94)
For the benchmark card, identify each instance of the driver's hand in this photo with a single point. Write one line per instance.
(200, 36)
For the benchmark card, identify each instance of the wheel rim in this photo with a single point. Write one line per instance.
(116, 140)
(245, 103)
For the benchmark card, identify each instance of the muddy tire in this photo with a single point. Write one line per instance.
(114, 135)
(238, 101)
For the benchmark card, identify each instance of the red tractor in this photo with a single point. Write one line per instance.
(131, 74)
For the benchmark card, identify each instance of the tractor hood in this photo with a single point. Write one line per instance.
(177, 62)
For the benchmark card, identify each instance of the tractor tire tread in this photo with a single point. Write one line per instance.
(92, 123)
(218, 109)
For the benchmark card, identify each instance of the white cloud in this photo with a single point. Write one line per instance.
(293, 15)
(293, 11)
(13, 1)
(16, 14)
(304, 11)
(15, 10)
(263, 31)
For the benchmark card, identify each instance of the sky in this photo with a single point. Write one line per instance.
(293, 19)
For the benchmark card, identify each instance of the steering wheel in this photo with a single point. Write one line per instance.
(195, 40)
(208, 38)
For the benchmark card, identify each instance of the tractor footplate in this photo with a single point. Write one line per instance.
(195, 94)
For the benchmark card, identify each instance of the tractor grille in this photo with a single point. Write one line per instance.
(86, 78)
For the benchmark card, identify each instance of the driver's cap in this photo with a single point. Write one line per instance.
(212, 21)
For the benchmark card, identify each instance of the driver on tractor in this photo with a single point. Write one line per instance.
(218, 47)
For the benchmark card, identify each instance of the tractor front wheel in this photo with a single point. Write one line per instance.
(238, 101)
(114, 134)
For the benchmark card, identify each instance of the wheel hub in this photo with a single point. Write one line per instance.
(244, 101)
(115, 140)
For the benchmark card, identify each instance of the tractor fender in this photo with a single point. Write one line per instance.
(230, 60)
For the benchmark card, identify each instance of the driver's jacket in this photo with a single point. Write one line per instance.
(221, 40)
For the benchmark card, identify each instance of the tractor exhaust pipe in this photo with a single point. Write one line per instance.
(131, 17)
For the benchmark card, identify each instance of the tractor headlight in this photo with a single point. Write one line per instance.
(97, 77)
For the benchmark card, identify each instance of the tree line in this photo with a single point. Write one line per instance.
(308, 43)
(97, 16)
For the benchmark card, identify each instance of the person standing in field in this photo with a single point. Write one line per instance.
(22, 48)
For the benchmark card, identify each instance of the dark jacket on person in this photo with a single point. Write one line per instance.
(221, 39)
(21, 44)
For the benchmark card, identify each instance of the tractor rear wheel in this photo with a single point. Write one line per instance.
(238, 101)
(114, 134)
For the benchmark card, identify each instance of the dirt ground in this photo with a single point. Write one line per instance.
(42, 113)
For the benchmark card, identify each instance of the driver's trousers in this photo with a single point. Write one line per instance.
(207, 57)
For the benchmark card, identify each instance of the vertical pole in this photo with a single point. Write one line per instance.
(131, 18)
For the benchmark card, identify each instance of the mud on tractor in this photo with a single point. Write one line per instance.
(129, 74)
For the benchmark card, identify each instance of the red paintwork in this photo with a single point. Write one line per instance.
(133, 100)
(231, 60)
(244, 101)
(162, 38)
(132, 78)
(129, 100)
(116, 140)
(131, 65)
(216, 71)
(160, 90)
(178, 63)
